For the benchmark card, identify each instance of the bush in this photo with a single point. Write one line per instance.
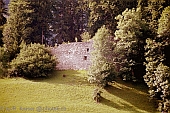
(34, 60)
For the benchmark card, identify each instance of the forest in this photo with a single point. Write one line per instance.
(131, 40)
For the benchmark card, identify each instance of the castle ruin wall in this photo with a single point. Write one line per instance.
(75, 56)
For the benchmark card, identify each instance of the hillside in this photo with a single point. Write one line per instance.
(70, 94)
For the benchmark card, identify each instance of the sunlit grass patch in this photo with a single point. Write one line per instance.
(70, 94)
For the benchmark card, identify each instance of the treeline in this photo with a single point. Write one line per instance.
(131, 38)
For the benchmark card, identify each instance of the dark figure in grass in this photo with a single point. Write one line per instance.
(97, 95)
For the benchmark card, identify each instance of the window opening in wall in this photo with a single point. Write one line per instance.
(85, 57)
(87, 49)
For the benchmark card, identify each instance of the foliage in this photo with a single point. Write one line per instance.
(28, 21)
(157, 63)
(4, 61)
(34, 60)
(162, 84)
(102, 70)
(70, 19)
(151, 12)
(163, 70)
(130, 44)
(15, 29)
(1, 30)
(85, 36)
(103, 12)
(164, 34)
(157, 75)
(42, 21)
(164, 23)
(153, 58)
(4, 57)
(3, 11)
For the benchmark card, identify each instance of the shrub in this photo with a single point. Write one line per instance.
(34, 60)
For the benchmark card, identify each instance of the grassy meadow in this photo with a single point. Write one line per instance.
(71, 94)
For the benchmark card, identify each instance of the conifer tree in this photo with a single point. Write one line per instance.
(42, 21)
(155, 8)
(70, 19)
(17, 27)
(28, 21)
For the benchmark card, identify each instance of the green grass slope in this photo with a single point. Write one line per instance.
(70, 94)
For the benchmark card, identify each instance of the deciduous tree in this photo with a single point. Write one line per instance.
(103, 12)
(102, 69)
(130, 45)
(157, 63)
(151, 12)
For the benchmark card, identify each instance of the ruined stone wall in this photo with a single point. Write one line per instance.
(74, 56)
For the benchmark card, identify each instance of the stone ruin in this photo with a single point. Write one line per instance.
(74, 56)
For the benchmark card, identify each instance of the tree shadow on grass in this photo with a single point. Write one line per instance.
(133, 96)
(121, 106)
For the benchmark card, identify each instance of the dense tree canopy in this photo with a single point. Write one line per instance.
(15, 30)
(130, 45)
(70, 19)
(164, 23)
(151, 12)
(28, 21)
(3, 12)
(157, 62)
(103, 12)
